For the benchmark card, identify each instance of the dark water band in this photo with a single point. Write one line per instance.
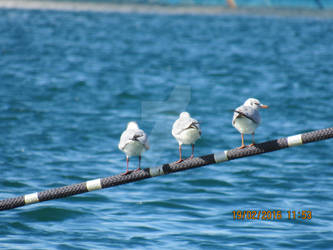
(61, 192)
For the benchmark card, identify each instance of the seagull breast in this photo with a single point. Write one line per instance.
(186, 130)
(133, 142)
(246, 119)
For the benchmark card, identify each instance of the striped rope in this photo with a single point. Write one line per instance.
(227, 155)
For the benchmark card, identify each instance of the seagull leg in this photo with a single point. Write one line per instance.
(192, 155)
(253, 142)
(180, 154)
(127, 172)
(139, 168)
(243, 145)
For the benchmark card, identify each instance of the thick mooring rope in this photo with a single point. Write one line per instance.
(227, 155)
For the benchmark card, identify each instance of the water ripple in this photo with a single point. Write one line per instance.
(70, 81)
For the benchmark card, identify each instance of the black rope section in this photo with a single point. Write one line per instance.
(65, 191)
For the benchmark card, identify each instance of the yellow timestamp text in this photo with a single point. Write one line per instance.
(271, 214)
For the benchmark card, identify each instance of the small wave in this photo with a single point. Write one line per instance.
(50, 214)
(20, 226)
(209, 183)
(168, 204)
(16, 184)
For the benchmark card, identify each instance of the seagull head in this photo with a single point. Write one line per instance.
(132, 125)
(254, 103)
(184, 115)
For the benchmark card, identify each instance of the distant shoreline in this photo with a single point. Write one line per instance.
(109, 7)
(162, 9)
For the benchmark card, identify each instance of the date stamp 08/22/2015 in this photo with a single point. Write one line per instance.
(267, 215)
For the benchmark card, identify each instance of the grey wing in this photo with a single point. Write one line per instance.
(247, 112)
(237, 113)
(178, 126)
(234, 117)
(141, 136)
(182, 124)
(125, 138)
(133, 135)
(196, 124)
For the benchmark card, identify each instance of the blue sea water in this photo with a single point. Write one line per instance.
(70, 82)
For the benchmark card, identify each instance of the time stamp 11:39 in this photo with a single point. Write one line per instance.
(271, 214)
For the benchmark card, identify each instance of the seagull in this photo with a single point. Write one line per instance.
(133, 142)
(186, 130)
(247, 118)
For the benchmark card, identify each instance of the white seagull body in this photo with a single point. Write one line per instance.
(247, 118)
(186, 130)
(133, 142)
